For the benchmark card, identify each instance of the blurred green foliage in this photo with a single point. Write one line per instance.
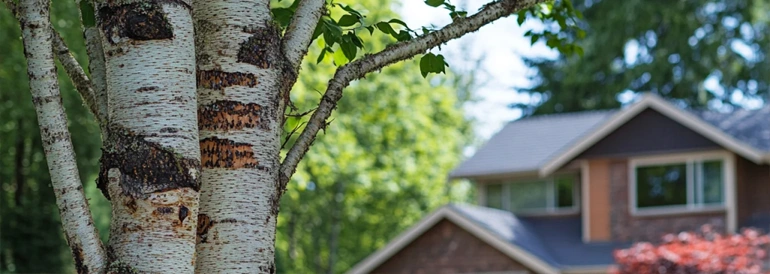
(31, 240)
(666, 47)
(380, 165)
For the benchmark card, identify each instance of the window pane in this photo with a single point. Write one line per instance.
(564, 191)
(661, 185)
(712, 182)
(495, 196)
(528, 195)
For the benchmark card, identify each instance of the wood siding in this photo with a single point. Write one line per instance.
(599, 200)
(753, 187)
(447, 248)
(648, 133)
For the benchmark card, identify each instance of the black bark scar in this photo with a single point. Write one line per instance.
(145, 167)
(137, 21)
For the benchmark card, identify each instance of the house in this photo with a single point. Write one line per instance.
(558, 193)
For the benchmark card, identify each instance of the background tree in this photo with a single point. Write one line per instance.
(378, 166)
(669, 48)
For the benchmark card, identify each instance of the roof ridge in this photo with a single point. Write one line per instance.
(564, 114)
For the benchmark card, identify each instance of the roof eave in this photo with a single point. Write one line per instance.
(654, 102)
(447, 212)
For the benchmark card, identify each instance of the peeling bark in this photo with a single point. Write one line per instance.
(79, 231)
(239, 111)
(151, 161)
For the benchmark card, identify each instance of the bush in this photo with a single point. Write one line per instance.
(689, 252)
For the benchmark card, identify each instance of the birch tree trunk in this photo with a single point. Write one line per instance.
(151, 161)
(79, 229)
(240, 76)
(161, 141)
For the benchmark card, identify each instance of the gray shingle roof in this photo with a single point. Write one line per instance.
(556, 241)
(748, 126)
(527, 143)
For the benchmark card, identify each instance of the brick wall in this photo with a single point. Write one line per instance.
(625, 227)
(447, 248)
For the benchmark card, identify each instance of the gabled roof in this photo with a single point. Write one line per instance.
(543, 144)
(545, 245)
(526, 144)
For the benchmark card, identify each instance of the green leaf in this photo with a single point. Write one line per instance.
(534, 39)
(351, 11)
(397, 21)
(434, 3)
(431, 63)
(348, 20)
(319, 29)
(356, 40)
(321, 56)
(348, 47)
(371, 29)
(281, 15)
(386, 28)
(87, 11)
(521, 16)
(403, 36)
(579, 51)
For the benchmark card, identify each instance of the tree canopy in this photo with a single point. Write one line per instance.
(702, 53)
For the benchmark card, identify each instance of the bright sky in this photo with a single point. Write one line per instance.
(502, 43)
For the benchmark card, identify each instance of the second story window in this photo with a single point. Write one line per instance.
(552, 195)
(694, 182)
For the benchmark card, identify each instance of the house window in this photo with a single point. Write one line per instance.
(534, 196)
(689, 183)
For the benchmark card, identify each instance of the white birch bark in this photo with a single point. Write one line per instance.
(151, 163)
(81, 235)
(240, 70)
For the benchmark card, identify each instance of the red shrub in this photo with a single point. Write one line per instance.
(688, 252)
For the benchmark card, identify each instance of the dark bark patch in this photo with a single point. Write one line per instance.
(137, 21)
(145, 167)
(232, 115)
(183, 212)
(77, 254)
(219, 80)
(204, 224)
(262, 49)
(41, 100)
(267, 268)
(164, 210)
(130, 203)
(146, 89)
(223, 153)
(169, 130)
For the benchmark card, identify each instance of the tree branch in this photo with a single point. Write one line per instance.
(75, 72)
(300, 30)
(397, 52)
(79, 230)
(79, 79)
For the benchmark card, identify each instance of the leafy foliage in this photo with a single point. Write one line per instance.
(379, 165)
(669, 48)
(705, 252)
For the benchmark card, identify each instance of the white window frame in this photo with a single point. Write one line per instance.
(551, 201)
(728, 180)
